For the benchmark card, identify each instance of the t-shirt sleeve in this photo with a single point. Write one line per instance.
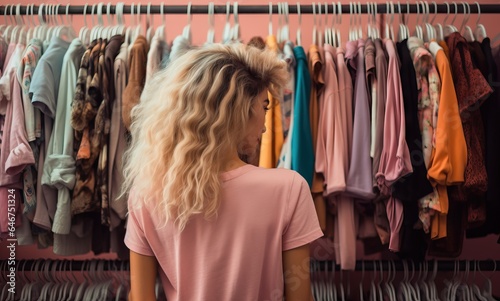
(301, 221)
(42, 91)
(135, 236)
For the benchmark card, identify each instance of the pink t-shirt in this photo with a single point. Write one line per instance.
(237, 256)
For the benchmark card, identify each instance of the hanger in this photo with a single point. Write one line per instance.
(320, 23)
(480, 31)
(351, 34)
(431, 31)
(211, 24)
(160, 31)
(226, 34)
(369, 20)
(402, 30)
(138, 28)
(315, 30)
(360, 22)
(339, 21)
(468, 34)
(418, 29)
(235, 31)
(334, 25)
(438, 28)
(449, 29)
(149, 24)
(285, 30)
(4, 25)
(327, 29)
(66, 30)
(49, 15)
(487, 287)
(186, 32)
(278, 29)
(298, 36)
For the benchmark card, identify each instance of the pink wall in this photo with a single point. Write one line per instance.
(252, 25)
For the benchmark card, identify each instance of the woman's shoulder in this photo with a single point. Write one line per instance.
(267, 176)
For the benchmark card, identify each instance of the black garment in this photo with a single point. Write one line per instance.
(490, 111)
(416, 185)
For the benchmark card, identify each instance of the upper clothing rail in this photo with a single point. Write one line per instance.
(13, 9)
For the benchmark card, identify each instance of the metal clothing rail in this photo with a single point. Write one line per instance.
(367, 265)
(10, 9)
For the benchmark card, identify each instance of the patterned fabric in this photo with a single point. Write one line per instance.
(472, 89)
(429, 85)
(82, 197)
(32, 118)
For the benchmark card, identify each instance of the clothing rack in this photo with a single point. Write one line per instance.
(247, 9)
(365, 265)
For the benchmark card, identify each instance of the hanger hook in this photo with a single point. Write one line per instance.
(299, 14)
(149, 19)
(478, 12)
(189, 13)
(435, 12)
(456, 12)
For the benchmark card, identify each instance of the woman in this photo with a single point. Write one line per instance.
(213, 226)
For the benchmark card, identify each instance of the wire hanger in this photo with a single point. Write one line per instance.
(298, 37)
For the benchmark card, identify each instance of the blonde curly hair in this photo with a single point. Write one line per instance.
(190, 117)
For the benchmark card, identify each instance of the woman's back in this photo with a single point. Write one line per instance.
(238, 254)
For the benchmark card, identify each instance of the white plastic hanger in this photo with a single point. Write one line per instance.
(418, 29)
(480, 31)
(160, 31)
(327, 28)
(278, 29)
(226, 34)
(430, 30)
(468, 34)
(369, 33)
(211, 24)
(119, 28)
(66, 30)
(4, 25)
(149, 24)
(351, 34)
(320, 23)
(315, 30)
(235, 31)
(270, 26)
(360, 22)
(285, 30)
(438, 27)
(338, 21)
(402, 30)
(298, 36)
(138, 28)
(334, 25)
(450, 28)
(7, 31)
(93, 29)
(186, 32)
(83, 35)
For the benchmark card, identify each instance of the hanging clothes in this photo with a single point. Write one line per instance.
(272, 139)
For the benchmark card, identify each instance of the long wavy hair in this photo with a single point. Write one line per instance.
(190, 117)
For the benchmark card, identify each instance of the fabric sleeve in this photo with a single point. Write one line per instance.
(301, 221)
(42, 89)
(135, 236)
